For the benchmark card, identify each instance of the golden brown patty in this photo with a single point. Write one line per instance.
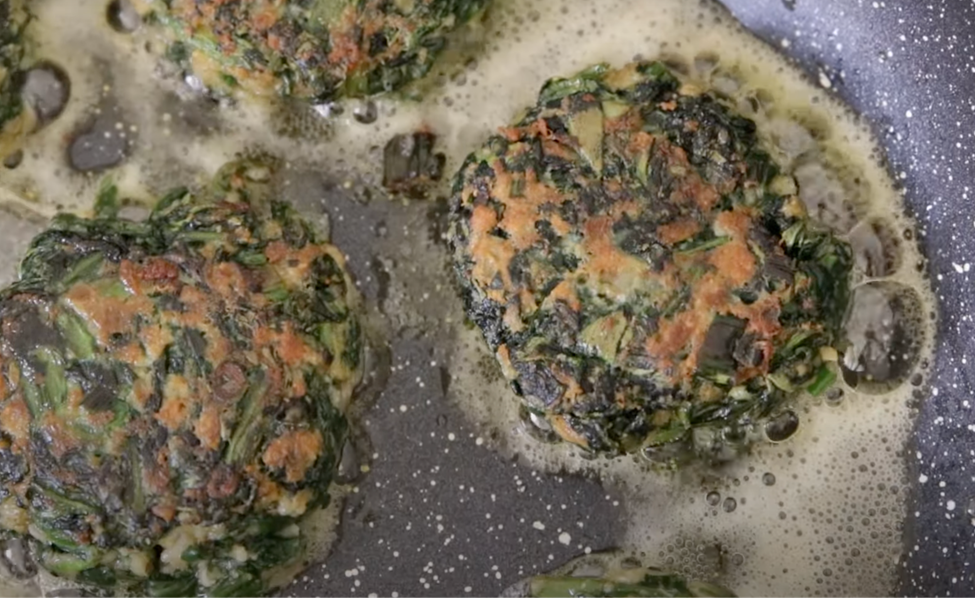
(172, 391)
(312, 50)
(631, 581)
(639, 265)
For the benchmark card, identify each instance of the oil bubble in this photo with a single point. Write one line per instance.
(729, 505)
(122, 16)
(15, 559)
(365, 112)
(790, 139)
(102, 142)
(13, 160)
(705, 63)
(537, 427)
(351, 461)
(46, 90)
(834, 396)
(885, 333)
(825, 196)
(782, 427)
(725, 82)
(876, 248)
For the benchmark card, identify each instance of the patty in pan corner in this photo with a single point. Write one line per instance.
(15, 120)
(646, 583)
(643, 271)
(172, 391)
(317, 50)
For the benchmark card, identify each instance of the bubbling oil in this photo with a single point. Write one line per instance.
(818, 512)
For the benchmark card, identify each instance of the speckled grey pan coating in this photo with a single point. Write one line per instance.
(920, 96)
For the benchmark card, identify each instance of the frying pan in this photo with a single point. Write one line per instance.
(439, 512)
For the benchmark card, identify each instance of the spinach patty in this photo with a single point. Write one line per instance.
(172, 390)
(641, 268)
(620, 583)
(15, 121)
(311, 49)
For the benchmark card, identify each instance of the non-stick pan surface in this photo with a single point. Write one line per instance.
(441, 514)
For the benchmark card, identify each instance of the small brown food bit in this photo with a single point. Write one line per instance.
(294, 452)
(410, 166)
(164, 512)
(223, 482)
(229, 381)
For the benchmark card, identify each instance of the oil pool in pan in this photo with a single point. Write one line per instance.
(447, 491)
